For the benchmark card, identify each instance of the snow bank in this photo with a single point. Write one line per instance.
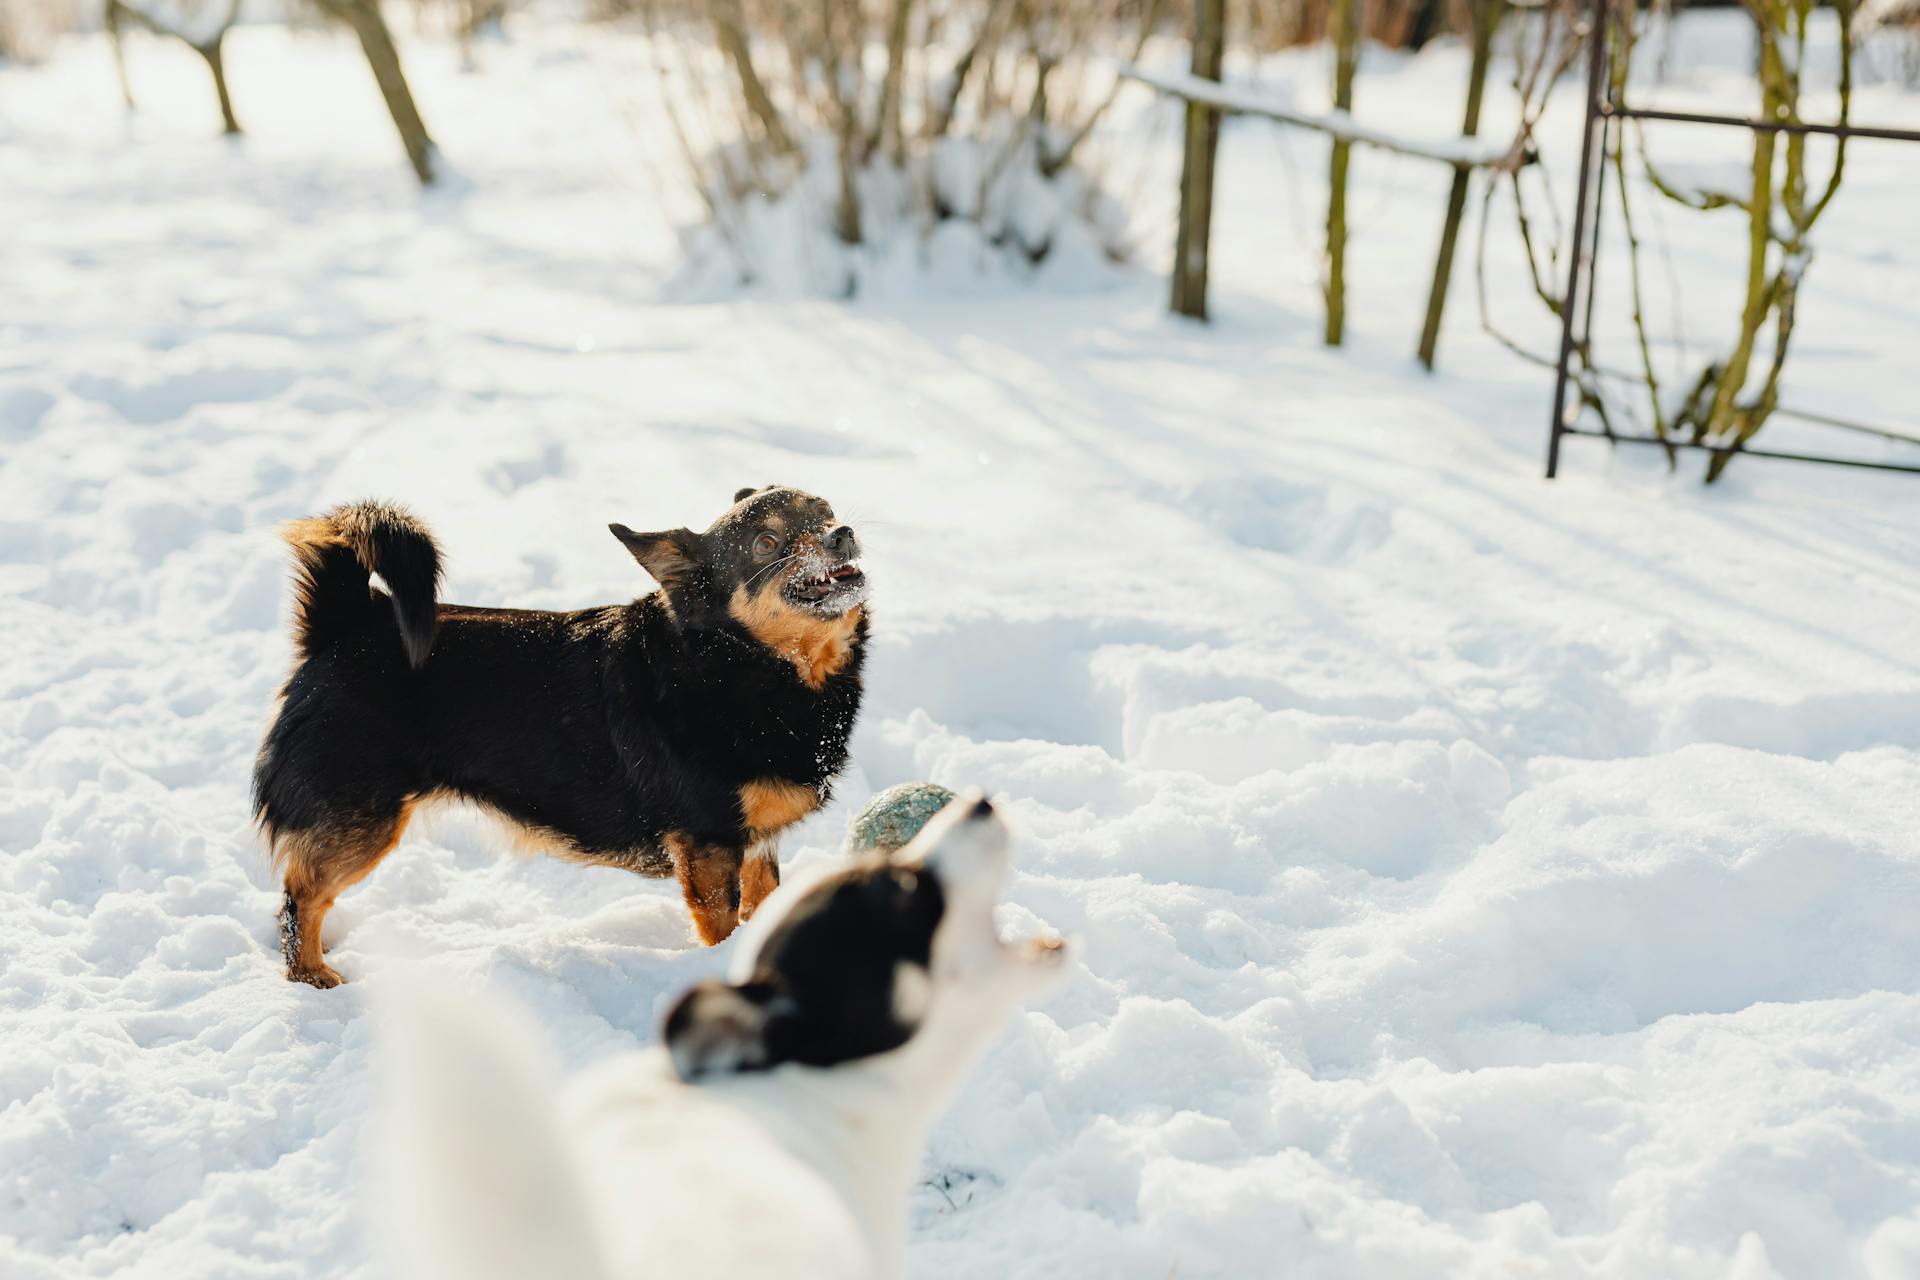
(974, 215)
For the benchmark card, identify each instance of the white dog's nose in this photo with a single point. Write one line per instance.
(966, 843)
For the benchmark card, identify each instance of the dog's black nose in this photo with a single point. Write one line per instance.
(982, 808)
(840, 540)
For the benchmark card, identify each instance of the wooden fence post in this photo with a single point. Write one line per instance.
(1346, 60)
(1196, 171)
(1486, 19)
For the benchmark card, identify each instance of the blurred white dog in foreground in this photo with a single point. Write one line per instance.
(778, 1133)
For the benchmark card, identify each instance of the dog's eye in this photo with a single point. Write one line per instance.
(765, 545)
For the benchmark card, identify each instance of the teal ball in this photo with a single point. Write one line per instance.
(895, 816)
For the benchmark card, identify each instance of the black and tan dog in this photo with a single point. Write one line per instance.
(676, 735)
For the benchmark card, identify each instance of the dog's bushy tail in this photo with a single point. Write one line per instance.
(337, 552)
(473, 1179)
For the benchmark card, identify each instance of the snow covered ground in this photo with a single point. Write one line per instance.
(1472, 876)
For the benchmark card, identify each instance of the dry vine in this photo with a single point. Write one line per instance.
(1722, 405)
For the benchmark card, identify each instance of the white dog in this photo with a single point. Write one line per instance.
(777, 1134)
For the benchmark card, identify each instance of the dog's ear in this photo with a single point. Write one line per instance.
(717, 1029)
(670, 556)
(743, 494)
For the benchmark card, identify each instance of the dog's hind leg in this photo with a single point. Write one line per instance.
(709, 876)
(322, 862)
(759, 875)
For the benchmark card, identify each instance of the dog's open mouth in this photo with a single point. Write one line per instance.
(836, 585)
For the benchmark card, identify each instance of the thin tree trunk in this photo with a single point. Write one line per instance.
(887, 131)
(1196, 173)
(846, 108)
(116, 15)
(215, 55)
(1052, 163)
(1784, 290)
(383, 56)
(846, 212)
(940, 114)
(1486, 19)
(115, 18)
(1346, 47)
(733, 43)
(1759, 237)
(985, 40)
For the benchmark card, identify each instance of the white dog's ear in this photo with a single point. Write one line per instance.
(717, 1029)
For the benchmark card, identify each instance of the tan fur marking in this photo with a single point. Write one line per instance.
(314, 531)
(308, 538)
(710, 880)
(525, 837)
(818, 647)
(534, 840)
(771, 804)
(321, 865)
(759, 876)
(531, 839)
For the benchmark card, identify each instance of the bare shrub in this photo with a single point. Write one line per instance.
(27, 28)
(879, 113)
(1735, 394)
(1783, 196)
(1396, 24)
(1889, 38)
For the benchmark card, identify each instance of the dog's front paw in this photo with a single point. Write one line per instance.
(1051, 950)
(324, 977)
(1035, 966)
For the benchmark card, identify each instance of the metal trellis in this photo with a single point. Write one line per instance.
(1601, 113)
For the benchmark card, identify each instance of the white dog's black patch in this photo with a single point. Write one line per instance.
(824, 988)
(842, 975)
